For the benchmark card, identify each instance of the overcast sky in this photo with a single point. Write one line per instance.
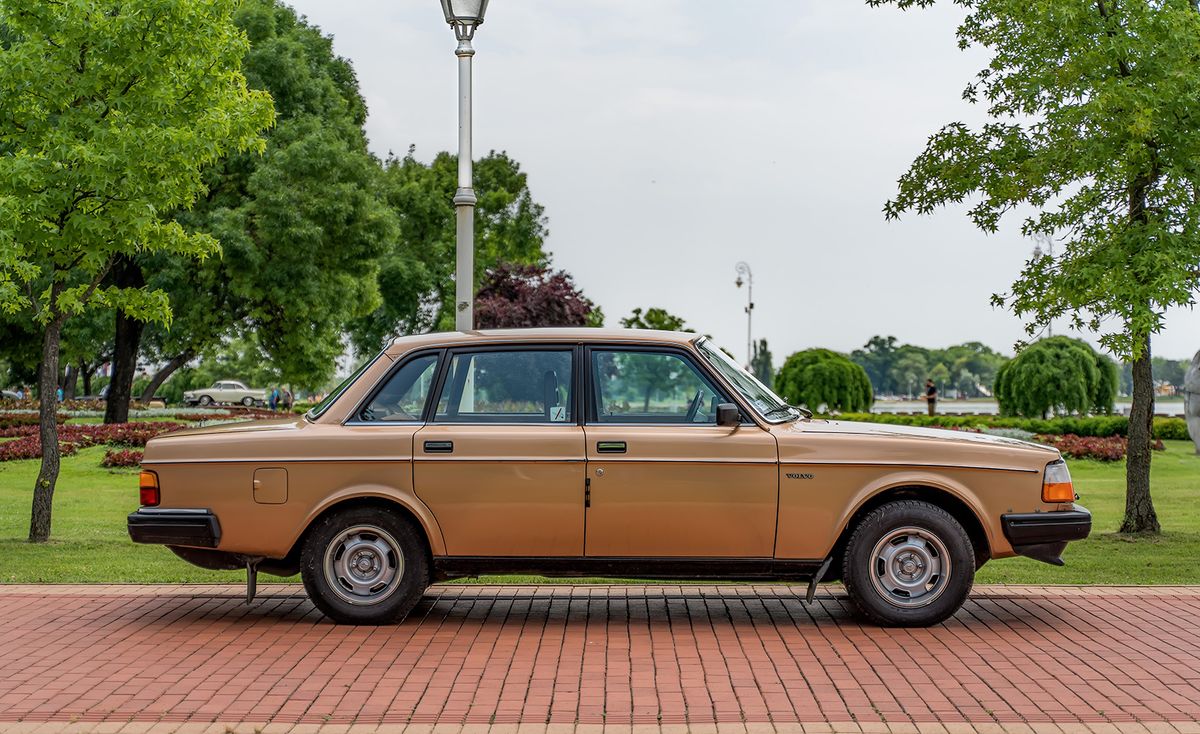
(668, 140)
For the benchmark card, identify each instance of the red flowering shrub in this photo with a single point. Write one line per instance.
(29, 447)
(1107, 448)
(122, 457)
(77, 436)
(15, 420)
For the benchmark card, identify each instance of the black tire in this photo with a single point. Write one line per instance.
(908, 564)
(378, 538)
(248, 401)
(205, 400)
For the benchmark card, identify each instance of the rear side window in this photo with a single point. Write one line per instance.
(403, 397)
(518, 386)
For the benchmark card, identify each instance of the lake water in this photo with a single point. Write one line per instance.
(975, 407)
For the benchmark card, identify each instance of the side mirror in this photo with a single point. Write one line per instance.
(728, 415)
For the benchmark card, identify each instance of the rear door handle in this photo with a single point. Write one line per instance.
(439, 447)
(610, 447)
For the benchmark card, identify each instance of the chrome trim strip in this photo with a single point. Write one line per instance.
(907, 464)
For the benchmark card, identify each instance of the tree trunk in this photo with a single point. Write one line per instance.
(85, 373)
(161, 376)
(69, 380)
(126, 274)
(1139, 508)
(43, 490)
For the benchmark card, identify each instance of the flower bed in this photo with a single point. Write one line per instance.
(122, 457)
(71, 438)
(1092, 425)
(19, 419)
(1101, 448)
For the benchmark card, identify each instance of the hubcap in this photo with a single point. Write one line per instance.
(910, 567)
(364, 565)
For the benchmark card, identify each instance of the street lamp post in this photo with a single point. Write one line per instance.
(464, 16)
(744, 269)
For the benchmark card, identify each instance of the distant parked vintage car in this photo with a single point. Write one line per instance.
(573, 452)
(226, 391)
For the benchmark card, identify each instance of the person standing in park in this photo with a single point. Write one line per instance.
(931, 396)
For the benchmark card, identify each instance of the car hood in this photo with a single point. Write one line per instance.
(850, 442)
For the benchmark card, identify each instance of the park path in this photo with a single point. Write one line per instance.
(1067, 660)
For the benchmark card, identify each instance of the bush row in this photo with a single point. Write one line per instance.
(16, 420)
(1170, 429)
(1102, 448)
(71, 438)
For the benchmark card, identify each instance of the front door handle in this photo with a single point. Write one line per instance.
(610, 447)
(439, 447)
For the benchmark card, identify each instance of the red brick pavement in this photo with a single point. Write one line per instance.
(580, 654)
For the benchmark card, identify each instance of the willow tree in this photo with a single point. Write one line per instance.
(1058, 374)
(822, 379)
(1093, 123)
(108, 110)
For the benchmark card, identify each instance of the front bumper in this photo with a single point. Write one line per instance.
(1044, 535)
(196, 528)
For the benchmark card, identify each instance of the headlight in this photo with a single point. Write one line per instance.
(1056, 483)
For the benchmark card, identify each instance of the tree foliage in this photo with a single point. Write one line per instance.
(901, 369)
(524, 296)
(762, 364)
(1094, 123)
(824, 381)
(302, 225)
(416, 273)
(108, 112)
(1057, 375)
(654, 318)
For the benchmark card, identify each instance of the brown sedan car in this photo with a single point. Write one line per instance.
(571, 452)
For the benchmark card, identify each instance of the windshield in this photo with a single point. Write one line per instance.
(770, 406)
(335, 393)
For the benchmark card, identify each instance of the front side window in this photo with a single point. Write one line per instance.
(518, 386)
(651, 387)
(403, 397)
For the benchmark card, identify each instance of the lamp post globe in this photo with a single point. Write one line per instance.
(464, 16)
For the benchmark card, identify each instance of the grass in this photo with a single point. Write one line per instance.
(89, 543)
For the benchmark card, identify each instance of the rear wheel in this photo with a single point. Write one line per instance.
(248, 401)
(365, 565)
(908, 563)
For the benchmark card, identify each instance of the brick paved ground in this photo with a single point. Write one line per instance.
(1016, 659)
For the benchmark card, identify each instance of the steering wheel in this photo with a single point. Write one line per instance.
(694, 407)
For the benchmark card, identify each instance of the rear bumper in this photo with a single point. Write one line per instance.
(195, 528)
(1044, 535)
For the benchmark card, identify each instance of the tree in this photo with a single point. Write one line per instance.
(762, 364)
(1057, 374)
(522, 296)
(1094, 123)
(302, 225)
(416, 275)
(107, 112)
(825, 381)
(654, 318)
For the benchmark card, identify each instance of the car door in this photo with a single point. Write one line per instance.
(664, 480)
(501, 464)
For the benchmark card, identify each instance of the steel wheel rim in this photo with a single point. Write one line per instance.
(363, 565)
(910, 567)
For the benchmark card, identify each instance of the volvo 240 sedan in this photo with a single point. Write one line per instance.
(572, 452)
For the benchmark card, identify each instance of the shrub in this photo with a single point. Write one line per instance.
(1056, 374)
(14, 420)
(1106, 448)
(1171, 429)
(78, 436)
(823, 379)
(122, 457)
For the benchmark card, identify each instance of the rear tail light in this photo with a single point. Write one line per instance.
(148, 489)
(1056, 484)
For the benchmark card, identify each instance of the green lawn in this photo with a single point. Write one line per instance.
(90, 543)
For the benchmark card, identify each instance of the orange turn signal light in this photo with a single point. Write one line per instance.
(1056, 484)
(148, 489)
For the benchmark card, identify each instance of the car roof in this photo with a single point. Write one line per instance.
(403, 344)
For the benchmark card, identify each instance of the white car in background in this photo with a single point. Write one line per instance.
(225, 391)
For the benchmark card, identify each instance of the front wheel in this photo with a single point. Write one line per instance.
(365, 565)
(205, 400)
(908, 563)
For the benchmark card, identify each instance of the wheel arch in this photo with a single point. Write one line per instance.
(935, 493)
(431, 534)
